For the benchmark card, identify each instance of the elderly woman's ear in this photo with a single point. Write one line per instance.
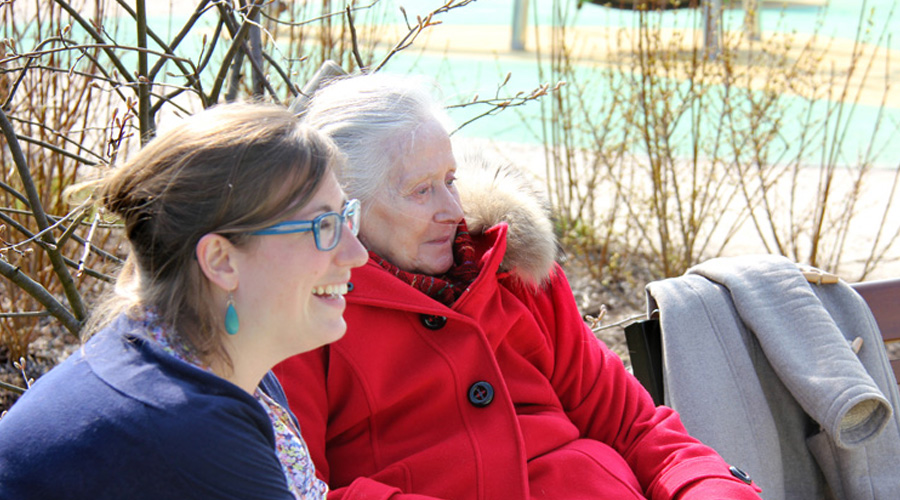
(217, 259)
(493, 192)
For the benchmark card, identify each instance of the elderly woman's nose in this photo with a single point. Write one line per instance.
(451, 209)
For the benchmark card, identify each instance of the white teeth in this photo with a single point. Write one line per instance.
(331, 290)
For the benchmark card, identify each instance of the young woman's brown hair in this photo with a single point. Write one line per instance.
(233, 170)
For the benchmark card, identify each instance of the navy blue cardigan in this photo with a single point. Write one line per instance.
(120, 419)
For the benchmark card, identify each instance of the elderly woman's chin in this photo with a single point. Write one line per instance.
(435, 258)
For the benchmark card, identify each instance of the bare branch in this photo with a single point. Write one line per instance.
(73, 214)
(497, 103)
(25, 314)
(87, 244)
(33, 288)
(193, 78)
(234, 49)
(319, 18)
(145, 124)
(17, 195)
(12, 388)
(28, 234)
(354, 39)
(58, 150)
(62, 137)
(56, 260)
(420, 25)
(89, 28)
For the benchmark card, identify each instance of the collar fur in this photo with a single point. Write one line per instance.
(499, 192)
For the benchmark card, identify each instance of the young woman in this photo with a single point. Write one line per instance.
(241, 246)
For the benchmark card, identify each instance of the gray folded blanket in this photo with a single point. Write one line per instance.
(758, 362)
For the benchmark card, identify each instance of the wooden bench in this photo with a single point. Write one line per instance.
(644, 337)
(883, 298)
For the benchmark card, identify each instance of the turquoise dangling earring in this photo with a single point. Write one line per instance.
(232, 324)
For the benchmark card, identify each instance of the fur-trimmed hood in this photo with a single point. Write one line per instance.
(494, 192)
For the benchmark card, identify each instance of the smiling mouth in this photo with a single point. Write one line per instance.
(331, 291)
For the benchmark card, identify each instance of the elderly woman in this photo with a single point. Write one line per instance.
(467, 371)
(172, 396)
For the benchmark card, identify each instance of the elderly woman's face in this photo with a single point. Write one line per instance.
(412, 220)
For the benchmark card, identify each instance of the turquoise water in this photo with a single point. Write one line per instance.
(464, 76)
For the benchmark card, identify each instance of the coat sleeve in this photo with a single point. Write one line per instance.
(304, 380)
(608, 404)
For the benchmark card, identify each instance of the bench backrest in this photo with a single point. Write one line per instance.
(883, 298)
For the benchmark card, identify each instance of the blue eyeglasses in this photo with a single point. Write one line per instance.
(326, 228)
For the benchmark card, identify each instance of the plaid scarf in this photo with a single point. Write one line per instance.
(446, 288)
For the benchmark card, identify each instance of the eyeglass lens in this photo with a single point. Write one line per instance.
(328, 231)
(351, 216)
(327, 227)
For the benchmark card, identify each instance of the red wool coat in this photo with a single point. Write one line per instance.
(506, 395)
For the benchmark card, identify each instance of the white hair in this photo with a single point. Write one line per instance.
(367, 114)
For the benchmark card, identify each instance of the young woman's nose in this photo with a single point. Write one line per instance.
(350, 251)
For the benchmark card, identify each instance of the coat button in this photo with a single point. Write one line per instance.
(433, 322)
(481, 394)
(738, 473)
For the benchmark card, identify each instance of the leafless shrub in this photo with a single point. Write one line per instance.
(659, 155)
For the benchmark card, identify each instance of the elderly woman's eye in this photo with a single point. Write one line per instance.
(423, 190)
(451, 180)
